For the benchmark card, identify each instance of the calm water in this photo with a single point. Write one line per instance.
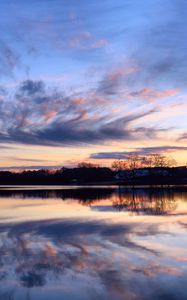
(93, 243)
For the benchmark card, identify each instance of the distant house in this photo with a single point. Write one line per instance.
(141, 173)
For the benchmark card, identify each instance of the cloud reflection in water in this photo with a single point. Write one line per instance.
(95, 258)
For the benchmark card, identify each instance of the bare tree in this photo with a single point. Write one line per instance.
(133, 163)
(119, 165)
(87, 165)
(161, 161)
(171, 162)
(147, 161)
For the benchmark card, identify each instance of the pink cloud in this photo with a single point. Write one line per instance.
(79, 40)
(85, 40)
(151, 95)
(50, 115)
(154, 270)
(99, 44)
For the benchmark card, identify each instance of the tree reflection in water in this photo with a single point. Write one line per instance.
(149, 201)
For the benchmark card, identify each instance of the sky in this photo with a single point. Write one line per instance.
(92, 81)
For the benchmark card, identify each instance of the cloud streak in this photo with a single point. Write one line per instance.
(138, 151)
(43, 116)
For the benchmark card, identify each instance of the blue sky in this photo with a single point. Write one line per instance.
(83, 78)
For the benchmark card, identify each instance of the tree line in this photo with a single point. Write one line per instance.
(135, 161)
(154, 169)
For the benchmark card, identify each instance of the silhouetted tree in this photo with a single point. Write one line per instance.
(87, 165)
(161, 161)
(133, 163)
(119, 165)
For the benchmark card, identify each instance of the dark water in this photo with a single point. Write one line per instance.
(76, 243)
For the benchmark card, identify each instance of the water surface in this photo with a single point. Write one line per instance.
(93, 243)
